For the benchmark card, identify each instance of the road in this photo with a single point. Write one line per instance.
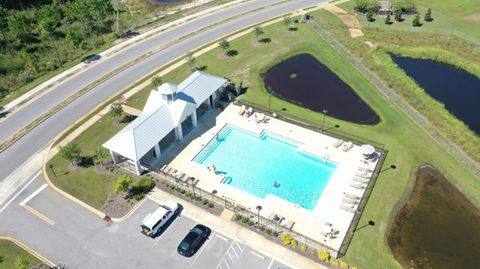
(43, 134)
(39, 216)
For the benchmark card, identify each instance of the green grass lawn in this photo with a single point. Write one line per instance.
(11, 254)
(449, 18)
(84, 183)
(408, 146)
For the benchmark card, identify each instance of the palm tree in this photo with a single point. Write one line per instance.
(225, 45)
(190, 60)
(258, 31)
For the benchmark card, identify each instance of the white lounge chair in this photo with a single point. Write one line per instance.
(364, 169)
(289, 224)
(350, 201)
(363, 174)
(352, 196)
(347, 146)
(361, 180)
(357, 185)
(347, 208)
(338, 143)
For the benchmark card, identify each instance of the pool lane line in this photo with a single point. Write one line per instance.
(35, 193)
(38, 214)
(18, 193)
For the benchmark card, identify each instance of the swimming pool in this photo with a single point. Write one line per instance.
(253, 163)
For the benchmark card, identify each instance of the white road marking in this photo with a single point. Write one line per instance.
(18, 193)
(258, 255)
(270, 264)
(35, 193)
(231, 259)
(223, 238)
(202, 248)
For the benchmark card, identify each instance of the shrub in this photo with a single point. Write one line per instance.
(141, 187)
(269, 231)
(397, 14)
(197, 198)
(262, 228)
(210, 205)
(177, 189)
(250, 223)
(303, 247)
(100, 155)
(204, 201)
(286, 239)
(416, 21)
(182, 191)
(275, 234)
(388, 20)
(428, 15)
(244, 219)
(343, 265)
(363, 5)
(237, 217)
(335, 262)
(71, 153)
(370, 17)
(294, 243)
(167, 185)
(323, 255)
(122, 184)
(172, 187)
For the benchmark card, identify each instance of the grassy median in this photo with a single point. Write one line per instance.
(13, 256)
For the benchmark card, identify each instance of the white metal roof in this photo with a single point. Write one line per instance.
(168, 88)
(159, 118)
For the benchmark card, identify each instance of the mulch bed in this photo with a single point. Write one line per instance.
(117, 206)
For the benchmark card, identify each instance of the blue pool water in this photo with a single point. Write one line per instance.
(252, 163)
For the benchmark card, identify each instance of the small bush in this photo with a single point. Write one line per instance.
(167, 185)
(141, 187)
(177, 189)
(343, 265)
(250, 223)
(303, 247)
(262, 228)
(210, 205)
(323, 255)
(172, 187)
(269, 231)
(122, 184)
(204, 201)
(183, 191)
(244, 219)
(198, 198)
(294, 243)
(237, 217)
(189, 194)
(416, 21)
(335, 262)
(286, 239)
(275, 234)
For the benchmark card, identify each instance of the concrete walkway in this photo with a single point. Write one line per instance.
(237, 232)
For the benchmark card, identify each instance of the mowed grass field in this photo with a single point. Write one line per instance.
(11, 255)
(408, 146)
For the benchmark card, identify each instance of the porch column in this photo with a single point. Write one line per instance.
(194, 118)
(114, 157)
(138, 168)
(157, 150)
(179, 132)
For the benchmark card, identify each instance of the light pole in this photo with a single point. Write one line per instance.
(259, 207)
(324, 116)
(53, 171)
(213, 195)
(269, 102)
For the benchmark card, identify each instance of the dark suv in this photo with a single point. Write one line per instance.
(194, 239)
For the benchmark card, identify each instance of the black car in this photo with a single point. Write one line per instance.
(193, 240)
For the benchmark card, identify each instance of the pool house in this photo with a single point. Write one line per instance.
(170, 112)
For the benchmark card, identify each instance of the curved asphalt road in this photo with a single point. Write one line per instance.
(38, 138)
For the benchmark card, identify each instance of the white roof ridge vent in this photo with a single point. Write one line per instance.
(168, 88)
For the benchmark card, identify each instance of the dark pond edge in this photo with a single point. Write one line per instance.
(408, 194)
(291, 54)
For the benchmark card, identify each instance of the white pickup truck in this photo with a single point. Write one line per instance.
(154, 222)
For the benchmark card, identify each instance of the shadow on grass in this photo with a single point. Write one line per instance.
(265, 40)
(202, 68)
(232, 53)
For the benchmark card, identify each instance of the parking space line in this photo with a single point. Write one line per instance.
(35, 193)
(231, 259)
(234, 252)
(222, 237)
(38, 214)
(258, 255)
(203, 248)
(18, 193)
(270, 264)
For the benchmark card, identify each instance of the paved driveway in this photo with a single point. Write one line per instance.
(67, 233)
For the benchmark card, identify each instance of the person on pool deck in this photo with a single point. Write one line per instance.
(275, 185)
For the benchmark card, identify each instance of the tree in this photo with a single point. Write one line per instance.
(47, 29)
(287, 21)
(370, 17)
(388, 20)
(363, 5)
(3, 92)
(398, 14)
(122, 184)
(18, 23)
(224, 44)
(416, 21)
(4, 23)
(100, 155)
(428, 15)
(157, 81)
(71, 153)
(116, 110)
(98, 10)
(75, 36)
(258, 31)
(190, 60)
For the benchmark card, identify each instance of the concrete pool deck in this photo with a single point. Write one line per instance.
(309, 223)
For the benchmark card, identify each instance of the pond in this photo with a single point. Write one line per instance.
(437, 227)
(303, 80)
(458, 90)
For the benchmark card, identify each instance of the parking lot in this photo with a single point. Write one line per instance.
(82, 240)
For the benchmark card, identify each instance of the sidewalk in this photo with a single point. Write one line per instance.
(53, 82)
(238, 233)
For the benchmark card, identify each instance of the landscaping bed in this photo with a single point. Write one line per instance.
(13, 256)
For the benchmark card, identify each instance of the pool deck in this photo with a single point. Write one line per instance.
(309, 223)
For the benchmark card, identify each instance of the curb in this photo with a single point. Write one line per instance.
(29, 250)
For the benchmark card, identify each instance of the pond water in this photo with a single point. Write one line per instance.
(458, 90)
(437, 227)
(302, 79)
